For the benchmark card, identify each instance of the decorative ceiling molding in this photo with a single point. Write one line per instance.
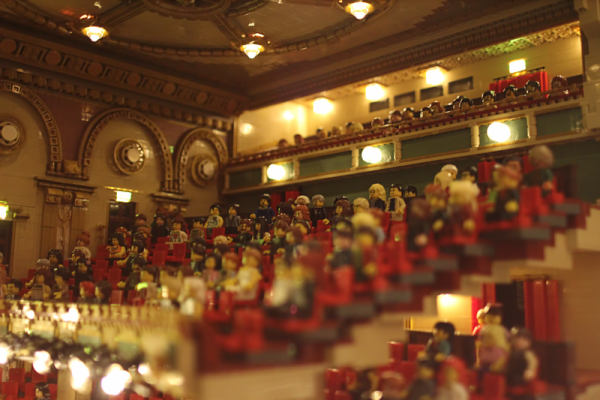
(122, 13)
(95, 127)
(54, 165)
(496, 32)
(458, 60)
(190, 10)
(182, 153)
(86, 65)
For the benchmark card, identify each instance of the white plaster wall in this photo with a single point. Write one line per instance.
(17, 185)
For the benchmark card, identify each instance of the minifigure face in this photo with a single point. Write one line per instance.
(510, 94)
(146, 277)
(196, 225)
(279, 233)
(52, 258)
(38, 393)
(214, 211)
(487, 99)
(407, 115)
(556, 84)
(298, 214)
(140, 222)
(439, 335)
(489, 319)
(134, 249)
(464, 105)
(210, 263)
(425, 372)
(339, 210)
(160, 221)
(520, 343)
(318, 203)
(176, 226)
(257, 226)
(80, 243)
(531, 89)
(506, 182)
(425, 113)
(232, 211)
(115, 241)
(465, 176)
(365, 240)
(373, 194)
(12, 289)
(39, 279)
(456, 105)
(395, 192)
(396, 118)
(229, 265)
(242, 227)
(358, 209)
(59, 280)
(82, 267)
(264, 203)
(411, 194)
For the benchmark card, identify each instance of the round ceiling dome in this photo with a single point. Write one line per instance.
(203, 169)
(12, 134)
(130, 156)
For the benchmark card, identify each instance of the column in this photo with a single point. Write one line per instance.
(397, 151)
(589, 16)
(355, 155)
(474, 137)
(531, 126)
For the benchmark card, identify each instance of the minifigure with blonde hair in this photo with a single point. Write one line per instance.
(443, 179)
(360, 205)
(377, 196)
(452, 169)
(462, 208)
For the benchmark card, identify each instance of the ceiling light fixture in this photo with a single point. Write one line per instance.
(499, 132)
(322, 106)
(374, 92)
(255, 44)
(434, 76)
(359, 9)
(95, 33)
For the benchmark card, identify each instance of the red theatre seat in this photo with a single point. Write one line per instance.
(413, 350)
(10, 389)
(162, 240)
(116, 297)
(35, 377)
(178, 252)
(217, 232)
(114, 275)
(101, 264)
(16, 375)
(159, 259)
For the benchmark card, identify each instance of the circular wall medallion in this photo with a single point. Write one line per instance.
(203, 169)
(129, 156)
(12, 134)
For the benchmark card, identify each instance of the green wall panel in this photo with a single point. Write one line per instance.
(440, 143)
(560, 121)
(242, 179)
(518, 129)
(289, 172)
(387, 155)
(328, 163)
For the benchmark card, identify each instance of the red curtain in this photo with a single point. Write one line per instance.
(476, 305)
(542, 313)
(521, 80)
(489, 293)
(484, 171)
(275, 200)
(292, 194)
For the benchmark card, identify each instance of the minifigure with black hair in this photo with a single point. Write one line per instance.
(522, 364)
(232, 220)
(137, 264)
(244, 235)
(264, 208)
(465, 105)
(440, 345)
(159, 227)
(117, 246)
(395, 204)
(60, 290)
(214, 220)
(103, 292)
(198, 252)
(534, 90)
(197, 231)
(42, 391)
(510, 95)
(469, 174)
(423, 386)
(136, 250)
(487, 100)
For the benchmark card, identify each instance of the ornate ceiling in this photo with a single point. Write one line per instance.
(191, 46)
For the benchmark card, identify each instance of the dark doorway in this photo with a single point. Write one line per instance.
(6, 242)
(120, 215)
(512, 298)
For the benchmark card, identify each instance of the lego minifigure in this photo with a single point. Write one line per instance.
(342, 212)
(42, 263)
(514, 162)
(81, 243)
(298, 139)
(230, 264)
(232, 220)
(60, 290)
(294, 239)
(438, 201)
(197, 231)
(469, 174)
(477, 329)
(13, 288)
(192, 297)
(41, 290)
(419, 226)
(140, 222)
(301, 219)
(302, 201)
(42, 391)
(75, 255)
(318, 212)
(456, 103)
(3, 285)
(137, 249)
(337, 131)
(439, 347)
(492, 349)
(342, 250)
(282, 144)
(533, 90)
(177, 234)
(452, 378)
(541, 159)
(395, 204)
(425, 113)
(510, 95)
(261, 226)
(147, 289)
(559, 85)
(423, 386)
(245, 284)
(395, 116)
(377, 125)
(117, 246)
(408, 115)
(214, 220)
(437, 110)
(87, 292)
(505, 194)
(264, 209)
(488, 98)
(82, 274)
(465, 105)
(212, 270)
(377, 196)
(522, 362)
(354, 128)
(159, 227)
(138, 263)
(103, 291)
(443, 179)
(55, 258)
(410, 191)
(320, 133)
(338, 198)
(364, 251)
(198, 252)
(462, 206)
(361, 205)
(278, 243)
(452, 169)
(244, 235)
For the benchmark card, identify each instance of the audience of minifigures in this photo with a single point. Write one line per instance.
(437, 113)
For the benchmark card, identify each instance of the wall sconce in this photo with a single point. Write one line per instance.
(123, 197)
(517, 66)
(322, 106)
(276, 172)
(3, 210)
(374, 92)
(435, 76)
(499, 132)
(371, 155)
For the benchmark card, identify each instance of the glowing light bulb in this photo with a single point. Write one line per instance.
(252, 49)
(322, 106)
(143, 369)
(517, 66)
(275, 172)
(499, 132)
(3, 210)
(288, 115)
(42, 362)
(115, 380)
(80, 374)
(447, 300)
(374, 92)
(371, 155)
(95, 33)
(4, 352)
(435, 76)
(360, 9)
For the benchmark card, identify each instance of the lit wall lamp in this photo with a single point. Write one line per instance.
(371, 155)
(3, 210)
(276, 172)
(288, 115)
(436, 75)
(123, 197)
(374, 92)
(517, 66)
(322, 106)
(499, 132)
